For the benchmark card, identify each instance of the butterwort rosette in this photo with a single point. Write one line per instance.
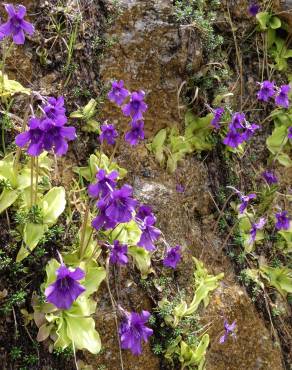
(229, 331)
(150, 233)
(133, 331)
(66, 289)
(16, 26)
(105, 184)
(121, 205)
(136, 106)
(119, 253)
(283, 221)
(108, 134)
(136, 133)
(118, 93)
(173, 257)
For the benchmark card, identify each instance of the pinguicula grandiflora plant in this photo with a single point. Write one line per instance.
(116, 230)
(20, 180)
(263, 217)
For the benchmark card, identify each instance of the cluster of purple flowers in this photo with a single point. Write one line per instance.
(133, 331)
(134, 108)
(282, 218)
(48, 132)
(240, 130)
(16, 26)
(117, 206)
(269, 90)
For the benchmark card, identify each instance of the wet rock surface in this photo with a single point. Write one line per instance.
(153, 53)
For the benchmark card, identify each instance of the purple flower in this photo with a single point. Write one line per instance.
(218, 112)
(102, 221)
(143, 212)
(254, 227)
(270, 177)
(282, 97)
(56, 137)
(118, 93)
(229, 330)
(136, 107)
(290, 132)
(237, 121)
(136, 133)
(66, 289)
(104, 185)
(245, 199)
(133, 331)
(283, 221)
(149, 234)
(121, 205)
(16, 26)
(250, 129)
(267, 90)
(108, 134)
(34, 136)
(49, 132)
(240, 130)
(233, 138)
(180, 188)
(173, 257)
(56, 111)
(253, 9)
(118, 254)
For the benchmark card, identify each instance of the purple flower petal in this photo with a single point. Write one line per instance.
(66, 289)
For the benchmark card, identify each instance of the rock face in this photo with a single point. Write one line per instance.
(151, 53)
(254, 348)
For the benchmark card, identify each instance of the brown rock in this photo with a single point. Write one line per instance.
(151, 53)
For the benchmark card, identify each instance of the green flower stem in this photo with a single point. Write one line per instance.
(114, 152)
(88, 241)
(31, 181)
(36, 178)
(23, 127)
(114, 305)
(83, 231)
